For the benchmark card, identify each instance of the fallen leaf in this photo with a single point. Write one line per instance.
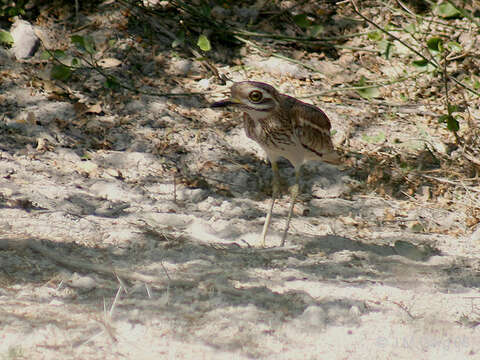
(109, 62)
(95, 109)
(388, 215)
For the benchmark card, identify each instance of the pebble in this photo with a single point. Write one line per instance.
(26, 42)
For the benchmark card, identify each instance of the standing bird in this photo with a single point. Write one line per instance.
(284, 127)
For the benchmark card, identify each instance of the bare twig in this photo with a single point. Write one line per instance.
(451, 182)
(471, 158)
(431, 60)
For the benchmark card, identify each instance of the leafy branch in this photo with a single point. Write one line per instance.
(86, 51)
(437, 58)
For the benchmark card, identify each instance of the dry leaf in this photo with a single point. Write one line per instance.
(388, 215)
(95, 109)
(109, 62)
(80, 108)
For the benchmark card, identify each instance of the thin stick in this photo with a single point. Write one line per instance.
(447, 181)
(430, 61)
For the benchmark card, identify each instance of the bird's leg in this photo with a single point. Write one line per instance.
(275, 192)
(294, 193)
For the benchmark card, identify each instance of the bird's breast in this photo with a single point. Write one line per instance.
(268, 132)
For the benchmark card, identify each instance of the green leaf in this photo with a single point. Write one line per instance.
(89, 44)
(179, 40)
(75, 62)
(375, 35)
(205, 10)
(452, 108)
(315, 30)
(435, 44)
(59, 54)
(84, 43)
(14, 11)
(203, 43)
(473, 82)
(453, 124)
(302, 21)
(368, 92)
(45, 55)
(78, 41)
(386, 48)
(420, 63)
(112, 83)
(443, 118)
(423, 65)
(6, 37)
(60, 72)
(454, 46)
(448, 11)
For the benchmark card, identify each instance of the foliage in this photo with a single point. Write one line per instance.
(9, 9)
(433, 52)
(203, 43)
(6, 38)
(85, 54)
(419, 39)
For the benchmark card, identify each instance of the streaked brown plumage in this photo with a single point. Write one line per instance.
(284, 127)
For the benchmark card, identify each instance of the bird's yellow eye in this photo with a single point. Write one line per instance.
(255, 96)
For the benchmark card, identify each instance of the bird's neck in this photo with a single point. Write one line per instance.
(258, 115)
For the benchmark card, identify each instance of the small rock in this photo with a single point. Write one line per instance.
(158, 106)
(410, 251)
(475, 237)
(181, 66)
(114, 191)
(355, 311)
(135, 106)
(88, 167)
(204, 84)
(164, 219)
(313, 316)
(26, 42)
(82, 282)
(198, 195)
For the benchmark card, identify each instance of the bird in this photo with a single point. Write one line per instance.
(285, 127)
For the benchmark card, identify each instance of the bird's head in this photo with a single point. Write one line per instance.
(253, 97)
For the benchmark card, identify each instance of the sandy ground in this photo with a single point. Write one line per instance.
(167, 188)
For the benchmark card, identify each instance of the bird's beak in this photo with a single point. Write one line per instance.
(225, 103)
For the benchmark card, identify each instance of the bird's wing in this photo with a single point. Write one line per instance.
(312, 128)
